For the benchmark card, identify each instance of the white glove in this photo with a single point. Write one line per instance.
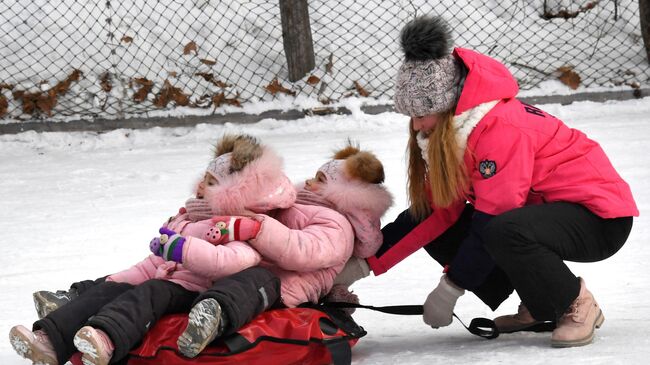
(355, 269)
(439, 306)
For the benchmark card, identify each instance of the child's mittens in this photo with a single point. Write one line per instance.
(216, 233)
(169, 245)
(234, 228)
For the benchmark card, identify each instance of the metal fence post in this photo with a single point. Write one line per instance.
(296, 36)
(644, 13)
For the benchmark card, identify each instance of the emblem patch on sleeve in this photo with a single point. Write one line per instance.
(487, 168)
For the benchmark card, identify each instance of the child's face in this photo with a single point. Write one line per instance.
(316, 183)
(208, 180)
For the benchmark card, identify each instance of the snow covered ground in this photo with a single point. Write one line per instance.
(81, 205)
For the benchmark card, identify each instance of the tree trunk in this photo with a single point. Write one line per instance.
(296, 36)
(644, 12)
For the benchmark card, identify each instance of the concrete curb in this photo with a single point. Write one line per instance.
(104, 125)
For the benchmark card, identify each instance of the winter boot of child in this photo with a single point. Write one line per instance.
(341, 293)
(576, 327)
(47, 301)
(522, 321)
(206, 322)
(35, 346)
(95, 346)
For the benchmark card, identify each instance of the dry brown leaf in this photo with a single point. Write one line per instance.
(360, 89)
(6, 86)
(168, 93)
(145, 88)
(189, 48)
(127, 39)
(62, 87)
(569, 77)
(36, 102)
(313, 80)
(220, 99)
(274, 87)
(105, 82)
(208, 62)
(4, 105)
(172, 74)
(210, 78)
(44, 102)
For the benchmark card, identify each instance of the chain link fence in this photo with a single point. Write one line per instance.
(115, 59)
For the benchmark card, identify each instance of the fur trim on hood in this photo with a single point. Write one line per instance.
(363, 204)
(256, 182)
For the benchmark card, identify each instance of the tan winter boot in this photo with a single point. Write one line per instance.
(522, 321)
(35, 346)
(576, 327)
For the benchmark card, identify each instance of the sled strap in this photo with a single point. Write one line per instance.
(340, 351)
(481, 327)
(339, 348)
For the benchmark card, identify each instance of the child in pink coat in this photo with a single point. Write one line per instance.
(305, 246)
(305, 255)
(244, 177)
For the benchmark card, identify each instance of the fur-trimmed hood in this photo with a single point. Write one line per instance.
(258, 185)
(363, 204)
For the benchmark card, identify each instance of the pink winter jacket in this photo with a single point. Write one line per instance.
(518, 155)
(306, 246)
(261, 186)
(232, 258)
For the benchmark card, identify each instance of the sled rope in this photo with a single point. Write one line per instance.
(481, 327)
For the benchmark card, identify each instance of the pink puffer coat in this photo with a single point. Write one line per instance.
(260, 186)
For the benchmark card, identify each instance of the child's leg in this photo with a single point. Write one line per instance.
(46, 301)
(61, 325)
(127, 319)
(229, 304)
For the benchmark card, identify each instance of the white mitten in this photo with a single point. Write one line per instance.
(355, 269)
(439, 306)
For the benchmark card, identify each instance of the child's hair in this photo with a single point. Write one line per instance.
(360, 165)
(244, 148)
(445, 174)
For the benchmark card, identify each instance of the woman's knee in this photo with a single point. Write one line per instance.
(503, 234)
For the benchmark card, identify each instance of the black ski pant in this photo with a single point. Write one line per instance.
(494, 290)
(530, 244)
(125, 312)
(244, 295)
(127, 318)
(62, 324)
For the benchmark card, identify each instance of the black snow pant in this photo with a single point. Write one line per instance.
(127, 318)
(81, 286)
(62, 324)
(244, 295)
(494, 290)
(530, 244)
(125, 312)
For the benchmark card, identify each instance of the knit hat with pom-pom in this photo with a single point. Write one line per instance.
(429, 80)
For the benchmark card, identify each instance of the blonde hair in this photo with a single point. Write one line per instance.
(446, 173)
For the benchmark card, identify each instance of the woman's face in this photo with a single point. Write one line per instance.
(208, 180)
(426, 123)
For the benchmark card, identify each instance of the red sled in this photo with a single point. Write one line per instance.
(306, 335)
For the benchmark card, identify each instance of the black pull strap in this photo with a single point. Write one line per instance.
(481, 327)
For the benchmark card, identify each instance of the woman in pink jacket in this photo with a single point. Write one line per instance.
(502, 193)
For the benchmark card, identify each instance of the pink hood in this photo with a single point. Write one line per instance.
(241, 191)
(363, 204)
(486, 80)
